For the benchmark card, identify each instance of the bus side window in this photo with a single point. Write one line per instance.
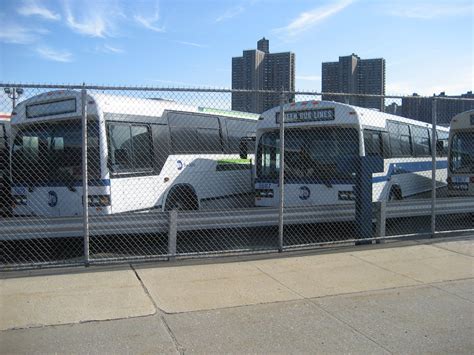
(142, 153)
(400, 139)
(236, 130)
(183, 140)
(130, 148)
(442, 143)
(193, 133)
(387, 154)
(120, 147)
(372, 142)
(394, 139)
(405, 139)
(209, 140)
(421, 141)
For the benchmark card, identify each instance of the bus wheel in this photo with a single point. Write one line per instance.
(395, 194)
(181, 198)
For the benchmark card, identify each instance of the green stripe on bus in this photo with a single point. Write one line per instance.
(233, 161)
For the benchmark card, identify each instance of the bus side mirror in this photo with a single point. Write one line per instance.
(243, 149)
(244, 146)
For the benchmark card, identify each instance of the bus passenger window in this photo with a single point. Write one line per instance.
(129, 148)
(209, 140)
(421, 141)
(400, 142)
(442, 143)
(141, 145)
(120, 148)
(372, 142)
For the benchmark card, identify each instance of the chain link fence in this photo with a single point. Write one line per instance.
(174, 173)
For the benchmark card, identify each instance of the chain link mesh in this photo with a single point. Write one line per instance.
(176, 173)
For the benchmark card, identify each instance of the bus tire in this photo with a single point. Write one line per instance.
(182, 198)
(395, 194)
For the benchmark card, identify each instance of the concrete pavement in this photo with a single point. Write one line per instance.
(399, 297)
(71, 298)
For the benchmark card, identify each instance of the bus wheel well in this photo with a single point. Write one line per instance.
(182, 197)
(395, 193)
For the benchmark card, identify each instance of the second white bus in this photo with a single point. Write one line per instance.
(319, 135)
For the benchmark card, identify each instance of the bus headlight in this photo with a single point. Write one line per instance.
(20, 200)
(264, 193)
(346, 195)
(98, 200)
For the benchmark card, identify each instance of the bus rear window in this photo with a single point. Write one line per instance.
(51, 108)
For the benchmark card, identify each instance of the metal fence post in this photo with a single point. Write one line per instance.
(172, 234)
(282, 174)
(381, 220)
(85, 193)
(433, 169)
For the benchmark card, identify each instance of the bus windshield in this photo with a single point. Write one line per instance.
(462, 153)
(309, 153)
(52, 153)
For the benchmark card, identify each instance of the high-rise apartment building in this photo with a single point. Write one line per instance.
(258, 69)
(353, 75)
(421, 108)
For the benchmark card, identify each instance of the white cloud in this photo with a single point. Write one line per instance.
(148, 23)
(151, 22)
(113, 49)
(95, 19)
(32, 8)
(307, 20)
(14, 33)
(192, 44)
(308, 77)
(429, 10)
(230, 13)
(54, 55)
(107, 48)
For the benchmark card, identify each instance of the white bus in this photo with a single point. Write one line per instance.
(461, 155)
(5, 197)
(318, 134)
(142, 154)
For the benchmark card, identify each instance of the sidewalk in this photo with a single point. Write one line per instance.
(412, 296)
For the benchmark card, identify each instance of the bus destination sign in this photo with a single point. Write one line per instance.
(310, 115)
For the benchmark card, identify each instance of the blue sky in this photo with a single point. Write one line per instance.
(428, 45)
